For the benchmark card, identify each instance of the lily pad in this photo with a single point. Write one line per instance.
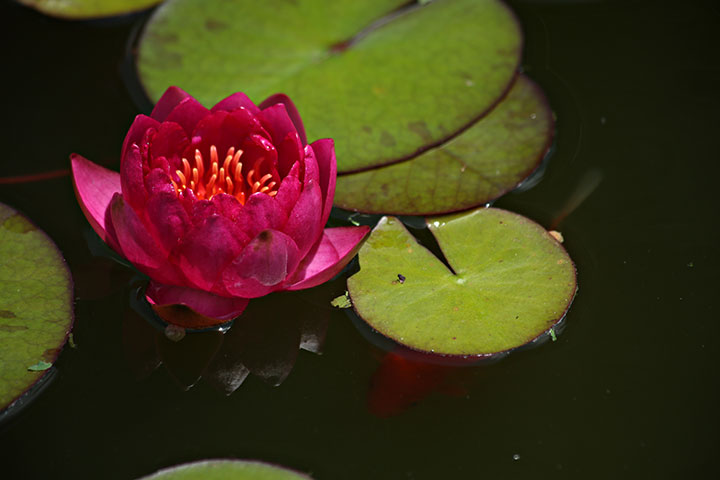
(36, 312)
(225, 470)
(510, 282)
(85, 9)
(384, 78)
(490, 158)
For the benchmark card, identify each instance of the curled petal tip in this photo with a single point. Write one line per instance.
(169, 100)
(291, 110)
(329, 256)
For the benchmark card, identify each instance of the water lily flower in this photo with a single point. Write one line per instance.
(218, 206)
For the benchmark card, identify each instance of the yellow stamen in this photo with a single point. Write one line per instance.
(223, 178)
(186, 167)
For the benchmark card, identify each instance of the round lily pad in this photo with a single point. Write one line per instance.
(510, 282)
(36, 312)
(226, 470)
(385, 79)
(85, 9)
(490, 158)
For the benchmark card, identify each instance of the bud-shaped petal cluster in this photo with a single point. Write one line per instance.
(219, 205)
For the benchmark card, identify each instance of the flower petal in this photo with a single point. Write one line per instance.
(169, 100)
(304, 222)
(290, 152)
(277, 122)
(235, 101)
(288, 194)
(256, 147)
(137, 132)
(167, 219)
(188, 113)
(264, 263)
(335, 249)
(285, 137)
(138, 246)
(327, 165)
(291, 110)
(227, 206)
(158, 181)
(204, 303)
(208, 248)
(170, 141)
(132, 178)
(311, 171)
(94, 189)
(225, 130)
(261, 212)
(199, 210)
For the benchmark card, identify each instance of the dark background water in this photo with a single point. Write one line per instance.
(630, 389)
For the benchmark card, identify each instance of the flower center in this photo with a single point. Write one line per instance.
(226, 178)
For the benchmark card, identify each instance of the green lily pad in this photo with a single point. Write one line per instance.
(225, 470)
(490, 158)
(510, 282)
(384, 79)
(86, 9)
(36, 312)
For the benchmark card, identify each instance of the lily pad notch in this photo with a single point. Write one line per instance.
(510, 283)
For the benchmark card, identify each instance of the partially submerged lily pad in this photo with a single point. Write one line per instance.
(385, 78)
(86, 9)
(226, 469)
(36, 312)
(510, 282)
(493, 156)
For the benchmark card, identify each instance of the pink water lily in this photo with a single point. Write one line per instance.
(219, 205)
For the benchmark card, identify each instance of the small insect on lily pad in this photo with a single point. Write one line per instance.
(226, 470)
(509, 281)
(36, 312)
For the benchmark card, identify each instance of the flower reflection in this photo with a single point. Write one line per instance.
(264, 342)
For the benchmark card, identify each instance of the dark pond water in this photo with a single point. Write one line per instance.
(629, 390)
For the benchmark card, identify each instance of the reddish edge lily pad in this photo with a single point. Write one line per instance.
(36, 312)
(86, 9)
(493, 156)
(385, 85)
(226, 469)
(512, 282)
